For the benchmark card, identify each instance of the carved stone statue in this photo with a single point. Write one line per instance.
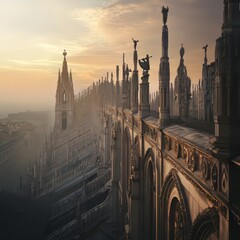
(165, 14)
(205, 50)
(144, 63)
(135, 43)
(182, 51)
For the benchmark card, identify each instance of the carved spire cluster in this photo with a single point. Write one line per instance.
(227, 84)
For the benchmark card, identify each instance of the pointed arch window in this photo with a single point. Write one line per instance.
(176, 221)
(64, 120)
(149, 198)
(64, 97)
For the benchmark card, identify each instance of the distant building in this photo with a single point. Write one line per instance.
(64, 108)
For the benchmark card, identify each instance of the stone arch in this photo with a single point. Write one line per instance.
(174, 207)
(149, 196)
(64, 120)
(64, 97)
(206, 225)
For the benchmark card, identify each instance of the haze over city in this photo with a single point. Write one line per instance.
(95, 33)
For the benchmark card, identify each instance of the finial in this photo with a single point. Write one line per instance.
(205, 50)
(144, 64)
(64, 53)
(165, 14)
(135, 43)
(182, 51)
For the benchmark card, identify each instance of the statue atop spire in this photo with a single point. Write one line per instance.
(182, 51)
(144, 106)
(144, 64)
(165, 14)
(134, 80)
(135, 43)
(205, 51)
(64, 53)
(164, 74)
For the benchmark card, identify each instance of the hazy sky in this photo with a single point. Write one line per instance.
(95, 33)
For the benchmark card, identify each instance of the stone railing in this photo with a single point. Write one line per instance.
(70, 201)
(96, 214)
(64, 232)
(205, 172)
(65, 204)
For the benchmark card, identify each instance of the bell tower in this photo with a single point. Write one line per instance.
(64, 99)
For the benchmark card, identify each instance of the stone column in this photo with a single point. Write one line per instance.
(144, 107)
(164, 77)
(134, 84)
(124, 84)
(117, 87)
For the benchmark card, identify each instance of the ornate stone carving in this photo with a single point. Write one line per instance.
(185, 154)
(204, 168)
(224, 180)
(167, 143)
(151, 132)
(135, 122)
(216, 202)
(206, 223)
(184, 223)
(178, 223)
(177, 150)
(214, 177)
(134, 160)
(128, 118)
(193, 160)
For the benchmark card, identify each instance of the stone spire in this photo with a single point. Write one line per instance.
(64, 99)
(206, 90)
(124, 84)
(205, 54)
(182, 88)
(65, 67)
(117, 87)
(123, 68)
(134, 82)
(227, 84)
(164, 74)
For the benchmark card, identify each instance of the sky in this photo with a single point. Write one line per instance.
(95, 33)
